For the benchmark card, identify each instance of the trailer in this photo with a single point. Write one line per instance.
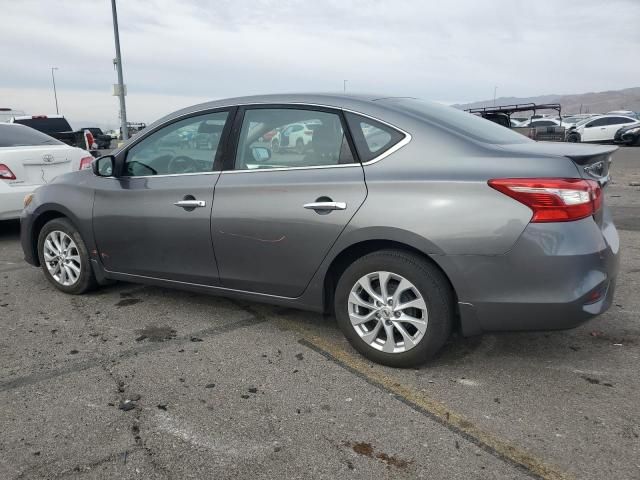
(502, 116)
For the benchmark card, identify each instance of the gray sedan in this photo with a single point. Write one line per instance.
(406, 219)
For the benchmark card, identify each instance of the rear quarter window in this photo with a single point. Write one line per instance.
(371, 137)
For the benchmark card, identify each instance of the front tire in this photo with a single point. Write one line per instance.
(394, 307)
(573, 138)
(64, 257)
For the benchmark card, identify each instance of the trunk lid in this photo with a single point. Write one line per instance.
(592, 161)
(37, 165)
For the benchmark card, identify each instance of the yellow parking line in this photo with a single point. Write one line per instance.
(425, 404)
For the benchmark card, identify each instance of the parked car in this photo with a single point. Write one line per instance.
(598, 129)
(541, 122)
(292, 137)
(543, 129)
(28, 159)
(628, 135)
(444, 220)
(102, 139)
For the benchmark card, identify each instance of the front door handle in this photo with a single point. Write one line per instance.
(326, 206)
(190, 203)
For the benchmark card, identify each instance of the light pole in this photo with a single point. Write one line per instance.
(344, 85)
(118, 62)
(495, 90)
(55, 94)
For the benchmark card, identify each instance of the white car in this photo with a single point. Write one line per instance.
(602, 128)
(295, 136)
(28, 159)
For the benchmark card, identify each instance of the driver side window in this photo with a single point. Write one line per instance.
(186, 146)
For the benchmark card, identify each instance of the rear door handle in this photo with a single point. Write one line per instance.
(326, 206)
(190, 203)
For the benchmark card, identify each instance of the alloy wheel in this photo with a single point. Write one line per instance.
(388, 312)
(62, 258)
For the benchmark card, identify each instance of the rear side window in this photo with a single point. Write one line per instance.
(619, 120)
(372, 138)
(21, 136)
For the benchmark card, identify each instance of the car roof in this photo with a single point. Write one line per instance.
(29, 117)
(368, 104)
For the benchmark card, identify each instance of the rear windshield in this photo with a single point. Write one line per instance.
(46, 125)
(466, 124)
(20, 136)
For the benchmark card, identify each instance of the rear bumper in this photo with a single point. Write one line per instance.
(557, 276)
(12, 200)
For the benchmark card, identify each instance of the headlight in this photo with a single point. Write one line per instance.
(27, 200)
(633, 130)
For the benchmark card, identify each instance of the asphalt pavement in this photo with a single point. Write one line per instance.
(145, 382)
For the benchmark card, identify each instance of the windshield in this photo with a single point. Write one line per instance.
(20, 136)
(582, 122)
(466, 124)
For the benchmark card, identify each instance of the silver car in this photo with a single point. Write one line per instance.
(406, 219)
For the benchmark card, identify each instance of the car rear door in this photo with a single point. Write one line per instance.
(277, 214)
(154, 218)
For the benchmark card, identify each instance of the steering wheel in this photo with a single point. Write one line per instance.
(182, 164)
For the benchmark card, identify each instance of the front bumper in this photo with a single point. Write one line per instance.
(557, 276)
(26, 237)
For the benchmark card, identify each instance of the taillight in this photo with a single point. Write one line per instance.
(6, 173)
(85, 163)
(553, 199)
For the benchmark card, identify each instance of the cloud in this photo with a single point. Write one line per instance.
(456, 50)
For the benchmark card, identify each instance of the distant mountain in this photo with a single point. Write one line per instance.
(592, 102)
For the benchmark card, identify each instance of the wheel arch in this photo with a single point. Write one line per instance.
(352, 252)
(43, 215)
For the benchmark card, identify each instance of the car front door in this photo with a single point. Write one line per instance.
(153, 218)
(595, 130)
(277, 214)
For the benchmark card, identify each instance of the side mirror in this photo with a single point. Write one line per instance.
(260, 154)
(104, 166)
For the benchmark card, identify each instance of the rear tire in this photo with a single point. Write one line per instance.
(419, 282)
(573, 138)
(64, 257)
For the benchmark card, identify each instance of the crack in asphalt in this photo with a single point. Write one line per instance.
(151, 347)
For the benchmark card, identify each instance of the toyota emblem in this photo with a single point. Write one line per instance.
(47, 158)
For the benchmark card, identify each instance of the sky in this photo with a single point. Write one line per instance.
(181, 52)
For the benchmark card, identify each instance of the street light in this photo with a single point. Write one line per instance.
(495, 90)
(344, 85)
(118, 62)
(55, 94)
